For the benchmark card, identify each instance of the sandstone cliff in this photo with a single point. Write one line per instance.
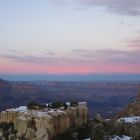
(46, 123)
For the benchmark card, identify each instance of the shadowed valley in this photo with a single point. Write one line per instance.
(106, 98)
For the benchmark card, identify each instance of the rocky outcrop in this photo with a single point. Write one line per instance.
(47, 123)
(8, 117)
(133, 109)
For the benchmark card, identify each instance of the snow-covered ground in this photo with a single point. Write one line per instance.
(18, 109)
(133, 119)
(116, 138)
(88, 139)
(45, 112)
(24, 109)
(68, 103)
(121, 138)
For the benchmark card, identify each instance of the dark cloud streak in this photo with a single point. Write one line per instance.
(81, 57)
(110, 55)
(123, 7)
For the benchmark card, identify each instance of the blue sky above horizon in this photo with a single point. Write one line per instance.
(70, 37)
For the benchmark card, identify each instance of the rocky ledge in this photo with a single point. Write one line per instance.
(46, 123)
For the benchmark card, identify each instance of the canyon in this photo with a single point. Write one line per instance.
(106, 98)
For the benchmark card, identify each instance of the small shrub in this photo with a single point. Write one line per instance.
(84, 132)
(65, 105)
(35, 105)
(6, 126)
(73, 103)
(57, 105)
(7, 129)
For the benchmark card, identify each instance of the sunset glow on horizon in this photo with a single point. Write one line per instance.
(70, 37)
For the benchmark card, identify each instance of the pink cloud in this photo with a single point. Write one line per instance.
(79, 61)
(107, 68)
(134, 43)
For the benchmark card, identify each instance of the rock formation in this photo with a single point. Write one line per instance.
(45, 124)
(133, 109)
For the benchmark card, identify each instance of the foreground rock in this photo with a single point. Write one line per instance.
(133, 109)
(44, 124)
(124, 126)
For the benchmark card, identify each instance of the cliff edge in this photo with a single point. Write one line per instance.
(45, 124)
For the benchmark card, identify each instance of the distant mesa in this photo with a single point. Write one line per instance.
(2, 81)
(133, 109)
(4, 85)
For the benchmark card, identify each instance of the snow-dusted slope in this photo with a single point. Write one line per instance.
(133, 119)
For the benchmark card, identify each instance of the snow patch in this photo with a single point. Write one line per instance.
(68, 104)
(82, 103)
(39, 113)
(44, 112)
(133, 119)
(19, 109)
(121, 138)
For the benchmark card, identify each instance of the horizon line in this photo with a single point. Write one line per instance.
(71, 77)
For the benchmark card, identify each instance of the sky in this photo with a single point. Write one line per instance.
(69, 37)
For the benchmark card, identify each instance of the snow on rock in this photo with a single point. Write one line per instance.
(81, 103)
(19, 109)
(47, 122)
(121, 138)
(133, 119)
(39, 113)
(45, 112)
(68, 104)
(88, 139)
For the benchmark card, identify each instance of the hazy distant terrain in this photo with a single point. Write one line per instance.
(106, 98)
